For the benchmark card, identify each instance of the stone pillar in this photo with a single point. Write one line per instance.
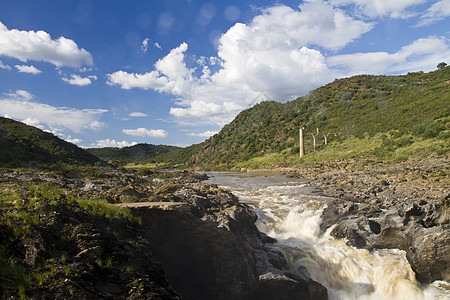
(302, 145)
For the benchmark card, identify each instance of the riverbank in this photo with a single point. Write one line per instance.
(124, 234)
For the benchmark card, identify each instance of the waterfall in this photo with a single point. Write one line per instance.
(291, 213)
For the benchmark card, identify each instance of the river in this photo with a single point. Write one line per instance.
(290, 211)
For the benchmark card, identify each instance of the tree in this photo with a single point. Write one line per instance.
(441, 65)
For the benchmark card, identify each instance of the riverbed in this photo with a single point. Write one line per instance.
(290, 211)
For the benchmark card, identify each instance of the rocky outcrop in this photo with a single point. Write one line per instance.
(192, 241)
(210, 248)
(404, 206)
(73, 255)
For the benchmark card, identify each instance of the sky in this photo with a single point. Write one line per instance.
(103, 73)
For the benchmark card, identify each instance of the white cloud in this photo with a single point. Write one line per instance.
(436, 12)
(34, 122)
(78, 80)
(421, 55)
(5, 67)
(27, 69)
(158, 46)
(112, 143)
(19, 106)
(132, 80)
(143, 132)
(74, 140)
(144, 46)
(272, 54)
(382, 8)
(203, 134)
(39, 46)
(21, 95)
(137, 114)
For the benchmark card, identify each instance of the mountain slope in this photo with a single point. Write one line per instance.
(144, 153)
(26, 146)
(406, 106)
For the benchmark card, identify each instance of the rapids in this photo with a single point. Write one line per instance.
(290, 211)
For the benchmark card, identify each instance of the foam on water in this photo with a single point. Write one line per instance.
(291, 213)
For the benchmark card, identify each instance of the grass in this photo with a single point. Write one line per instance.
(147, 165)
(102, 208)
(23, 209)
(385, 147)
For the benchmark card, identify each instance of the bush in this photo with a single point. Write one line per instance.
(427, 129)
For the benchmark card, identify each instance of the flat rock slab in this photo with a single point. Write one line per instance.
(150, 204)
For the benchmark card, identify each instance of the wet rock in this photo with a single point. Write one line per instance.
(429, 252)
(282, 287)
(392, 238)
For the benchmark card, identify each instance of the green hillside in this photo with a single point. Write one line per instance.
(381, 116)
(145, 154)
(26, 146)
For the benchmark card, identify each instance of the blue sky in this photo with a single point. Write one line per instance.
(114, 73)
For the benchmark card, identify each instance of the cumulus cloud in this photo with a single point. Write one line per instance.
(272, 54)
(143, 132)
(112, 143)
(419, 55)
(382, 8)
(78, 80)
(205, 134)
(28, 69)
(137, 114)
(19, 106)
(436, 12)
(5, 67)
(39, 46)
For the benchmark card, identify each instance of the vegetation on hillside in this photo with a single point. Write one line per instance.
(379, 115)
(145, 154)
(26, 146)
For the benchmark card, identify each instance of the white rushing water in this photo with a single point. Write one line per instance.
(290, 212)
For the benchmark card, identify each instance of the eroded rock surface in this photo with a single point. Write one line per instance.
(404, 206)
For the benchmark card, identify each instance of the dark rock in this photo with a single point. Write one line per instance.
(282, 287)
(202, 260)
(35, 248)
(374, 226)
(267, 239)
(415, 210)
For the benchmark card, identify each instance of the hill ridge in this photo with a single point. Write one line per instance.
(22, 145)
(402, 106)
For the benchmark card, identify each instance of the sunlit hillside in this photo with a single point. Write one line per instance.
(389, 117)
